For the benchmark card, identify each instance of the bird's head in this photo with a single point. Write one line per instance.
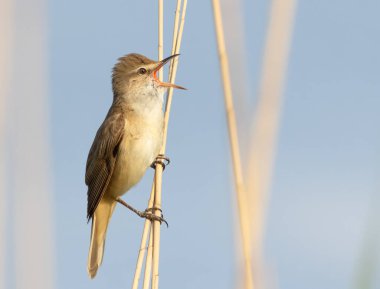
(134, 73)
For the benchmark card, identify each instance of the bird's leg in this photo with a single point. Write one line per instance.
(162, 160)
(147, 214)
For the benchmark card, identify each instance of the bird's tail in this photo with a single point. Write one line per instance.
(100, 222)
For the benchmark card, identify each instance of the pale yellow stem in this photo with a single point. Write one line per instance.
(175, 33)
(143, 249)
(159, 168)
(172, 75)
(160, 35)
(241, 194)
(148, 263)
(267, 117)
(157, 227)
(5, 68)
(155, 199)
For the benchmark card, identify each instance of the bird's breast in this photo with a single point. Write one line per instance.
(139, 147)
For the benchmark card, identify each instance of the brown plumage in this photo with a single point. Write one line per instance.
(125, 145)
(102, 157)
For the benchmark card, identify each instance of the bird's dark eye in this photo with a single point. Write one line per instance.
(142, 70)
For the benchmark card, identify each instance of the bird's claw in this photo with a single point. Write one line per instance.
(149, 214)
(162, 160)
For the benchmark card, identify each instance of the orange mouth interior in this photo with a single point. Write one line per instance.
(164, 84)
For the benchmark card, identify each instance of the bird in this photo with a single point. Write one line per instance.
(125, 145)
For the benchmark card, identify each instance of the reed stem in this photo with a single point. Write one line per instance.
(143, 249)
(152, 253)
(241, 193)
(148, 262)
(159, 168)
(172, 75)
(267, 116)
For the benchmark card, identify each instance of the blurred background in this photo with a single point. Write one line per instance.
(321, 221)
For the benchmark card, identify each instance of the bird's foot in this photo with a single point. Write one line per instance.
(150, 215)
(147, 214)
(162, 160)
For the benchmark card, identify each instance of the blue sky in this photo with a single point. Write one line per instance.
(326, 170)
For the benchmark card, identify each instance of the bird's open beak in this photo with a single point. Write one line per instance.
(159, 66)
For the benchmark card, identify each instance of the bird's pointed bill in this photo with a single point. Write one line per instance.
(159, 66)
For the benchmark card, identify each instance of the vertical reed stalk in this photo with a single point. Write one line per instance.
(175, 33)
(157, 227)
(33, 230)
(241, 194)
(152, 259)
(148, 264)
(143, 250)
(158, 176)
(172, 74)
(160, 35)
(265, 129)
(159, 168)
(5, 56)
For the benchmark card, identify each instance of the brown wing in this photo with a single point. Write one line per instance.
(102, 157)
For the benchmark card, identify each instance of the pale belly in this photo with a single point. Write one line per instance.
(137, 151)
